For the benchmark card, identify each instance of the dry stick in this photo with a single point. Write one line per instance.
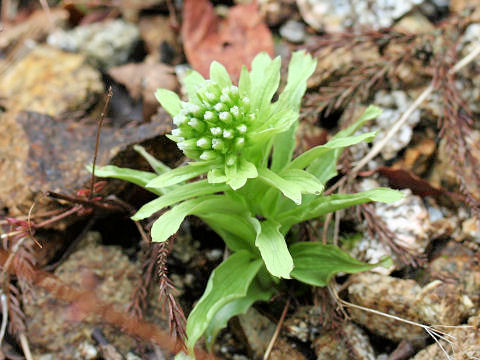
(277, 331)
(3, 328)
(97, 142)
(25, 347)
(401, 121)
(46, 8)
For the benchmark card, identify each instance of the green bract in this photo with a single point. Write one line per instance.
(254, 191)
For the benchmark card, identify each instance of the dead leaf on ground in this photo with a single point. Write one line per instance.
(402, 179)
(233, 41)
(143, 80)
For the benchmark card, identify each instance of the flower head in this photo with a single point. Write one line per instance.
(215, 126)
(227, 129)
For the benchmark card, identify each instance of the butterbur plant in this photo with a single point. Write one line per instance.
(254, 190)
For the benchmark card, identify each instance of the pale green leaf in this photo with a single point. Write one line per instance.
(169, 101)
(219, 74)
(316, 263)
(324, 167)
(283, 146)
(234, 308)
(301, 67)
(265, 78)
(216, 176)
(180, 193)
(193, 82)
(140, 178)
(182, 356)
(244, 82)
(326, 204)
(369, 114)
(307, 182)
(233, 241)
(224, 286)
(273, 249)
(305, 159)
(238, 174)
(288, 188)
(240, 225)
(158, 166)
(181, 174)
(169, 223)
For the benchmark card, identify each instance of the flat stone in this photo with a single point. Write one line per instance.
(258, 331)
(41, 154)
(435, 303)
(51, 81)
(106, 44)
(347, 342)
(64, 329)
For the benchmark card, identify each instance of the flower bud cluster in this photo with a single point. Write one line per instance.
(216, 126)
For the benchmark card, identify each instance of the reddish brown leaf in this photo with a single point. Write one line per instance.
(402, 179)
(233, 41)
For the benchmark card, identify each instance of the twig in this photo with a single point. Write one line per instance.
(266, 356)
(97, 142)
(3, 328)
(46, 8)
(25, 346)
(434, 333)
(326, 223)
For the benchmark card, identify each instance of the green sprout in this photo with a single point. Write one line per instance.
(255, 190)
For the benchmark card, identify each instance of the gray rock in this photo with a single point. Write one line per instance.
(338, 15)
(341, 344)
(407, 218)
(293, 31)
(394, 104)
(106, 44)
(435, 303)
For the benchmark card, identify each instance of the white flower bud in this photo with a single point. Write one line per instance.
(242, 129)
(210, 96)
(208, 155)
(179, 119)
(225, 98)
(235, 112)
(219, 107)
(177, 132)
(189, 144)
(204, 143)
(216, 131)
(225, 117)
(239, 142)
(227, 134)
(218, 144)
(209, 115)
(196, 124)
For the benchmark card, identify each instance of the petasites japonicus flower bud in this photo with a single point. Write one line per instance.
(228, 129)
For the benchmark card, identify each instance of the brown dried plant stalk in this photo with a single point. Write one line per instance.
(155, 272)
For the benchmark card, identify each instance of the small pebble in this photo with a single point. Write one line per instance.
(293, 31)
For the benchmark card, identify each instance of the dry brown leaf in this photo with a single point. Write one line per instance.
(144, 79)
(402, 179)
(233, 41)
